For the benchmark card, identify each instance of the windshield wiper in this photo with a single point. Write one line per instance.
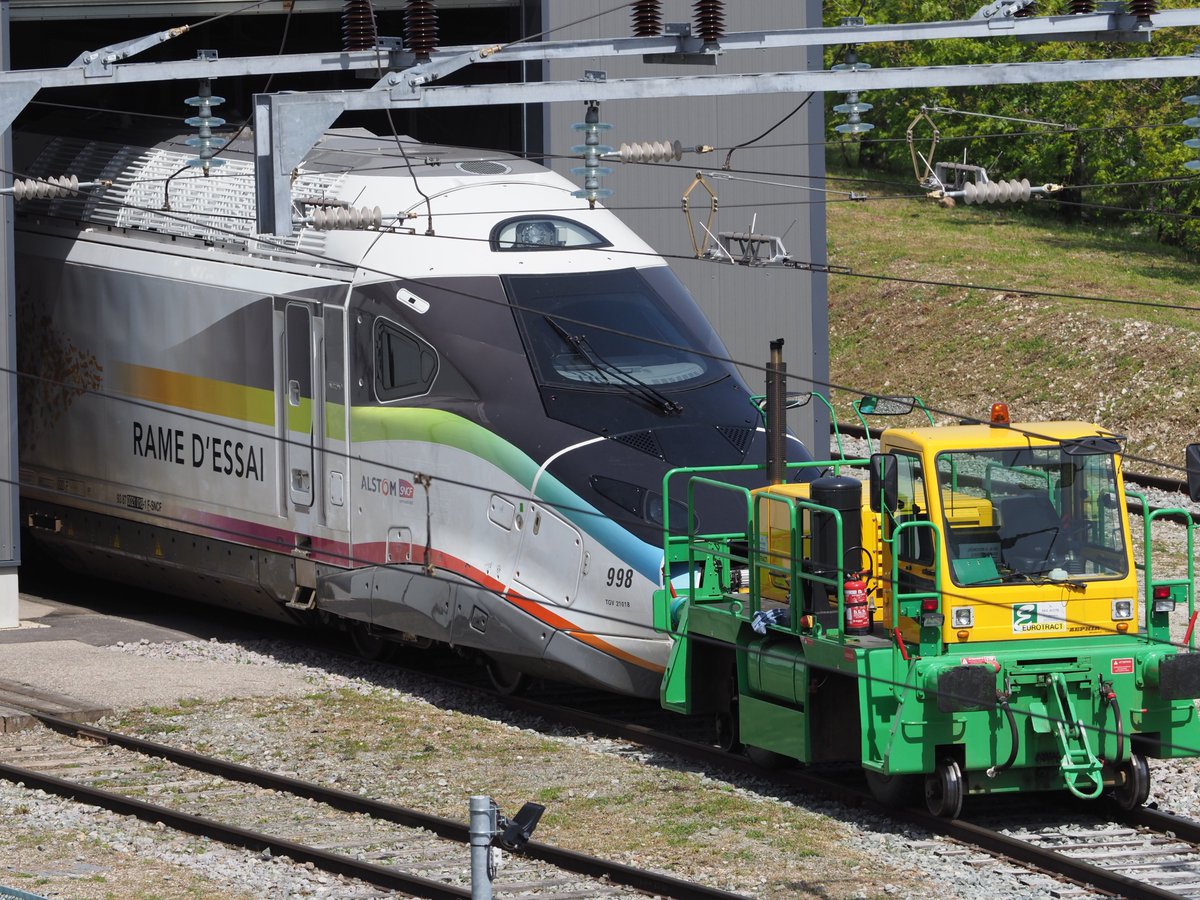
(579, 344)
(1041, 578)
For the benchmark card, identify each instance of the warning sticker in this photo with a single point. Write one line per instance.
(981, 661)
(1123, 666)
(1039, 617)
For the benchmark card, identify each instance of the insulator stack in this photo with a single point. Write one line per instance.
(341, 218)
(204, 122)
(853, 108)
(45, 188)
(1081, 7)
(591, 149)
(421, 28)
(1142, 9)
(1192, 122)
(1028, 11)
(647, 18)
(710, 20)
(651, 152)
(359, 31)
(1012, 191)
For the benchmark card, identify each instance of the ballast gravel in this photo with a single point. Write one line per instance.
(97, 854)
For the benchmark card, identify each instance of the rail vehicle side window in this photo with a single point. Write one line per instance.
(544, 233)
(915, 544)
(405, 366)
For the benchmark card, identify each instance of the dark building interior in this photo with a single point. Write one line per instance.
(101, 109)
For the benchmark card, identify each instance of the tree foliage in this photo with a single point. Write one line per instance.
(1116, 145)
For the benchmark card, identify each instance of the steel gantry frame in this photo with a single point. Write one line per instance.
(287, 125)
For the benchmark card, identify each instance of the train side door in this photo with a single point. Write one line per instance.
(300, 410)
(333, 464)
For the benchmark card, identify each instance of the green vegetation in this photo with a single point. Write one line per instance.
(1132, 365)
(1099, 133)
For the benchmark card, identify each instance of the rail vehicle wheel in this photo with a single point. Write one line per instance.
(367, 644)
(506, 679)
(944, 789)
(726, 733)
(893, 790)
(1133, 783)
(725, 730)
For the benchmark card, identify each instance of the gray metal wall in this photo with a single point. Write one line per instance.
(748, 307)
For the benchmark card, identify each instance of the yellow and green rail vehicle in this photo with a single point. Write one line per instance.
(1007, 644)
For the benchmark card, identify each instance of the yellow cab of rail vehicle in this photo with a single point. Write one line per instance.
(1032, 540)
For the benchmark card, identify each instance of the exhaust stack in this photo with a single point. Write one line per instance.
(776, 414)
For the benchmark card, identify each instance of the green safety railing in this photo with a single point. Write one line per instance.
(698, 550)
(1158, 625)
(928, 647)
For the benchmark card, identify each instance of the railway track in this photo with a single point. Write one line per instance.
(1146, 854)
(1143, 855)
(380, 844)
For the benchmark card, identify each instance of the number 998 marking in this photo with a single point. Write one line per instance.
(622, 578)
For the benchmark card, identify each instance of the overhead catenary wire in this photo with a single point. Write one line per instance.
(717, 357)
(928, 282)
(235, 12)
(857, 179)
(1001, 289)
(541, 34)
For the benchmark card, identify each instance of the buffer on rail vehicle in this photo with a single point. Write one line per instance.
(1004, 645)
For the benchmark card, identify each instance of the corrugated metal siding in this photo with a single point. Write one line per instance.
(748, 307)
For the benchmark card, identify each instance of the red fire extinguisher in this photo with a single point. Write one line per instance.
(858, 607)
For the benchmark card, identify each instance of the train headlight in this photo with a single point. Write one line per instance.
(1122, 610)
(962, 616)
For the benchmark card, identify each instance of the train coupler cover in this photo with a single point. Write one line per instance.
(1179, 676)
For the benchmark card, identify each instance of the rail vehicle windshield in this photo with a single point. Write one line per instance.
(632, 330)
(1041, 514)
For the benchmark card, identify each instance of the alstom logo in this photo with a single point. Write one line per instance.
(387, 487)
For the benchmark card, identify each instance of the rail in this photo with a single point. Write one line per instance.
(379, 875)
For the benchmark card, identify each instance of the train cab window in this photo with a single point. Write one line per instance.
(544, 233)
(623, 331)
(1023, 514)
(405, 366)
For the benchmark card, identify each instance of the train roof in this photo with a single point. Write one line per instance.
(155, 192)
(974, 437)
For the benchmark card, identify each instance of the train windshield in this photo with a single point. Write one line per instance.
(1031, 514)
(631, 330)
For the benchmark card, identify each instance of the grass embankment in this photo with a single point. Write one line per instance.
(1130, 366)
(744, 837)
